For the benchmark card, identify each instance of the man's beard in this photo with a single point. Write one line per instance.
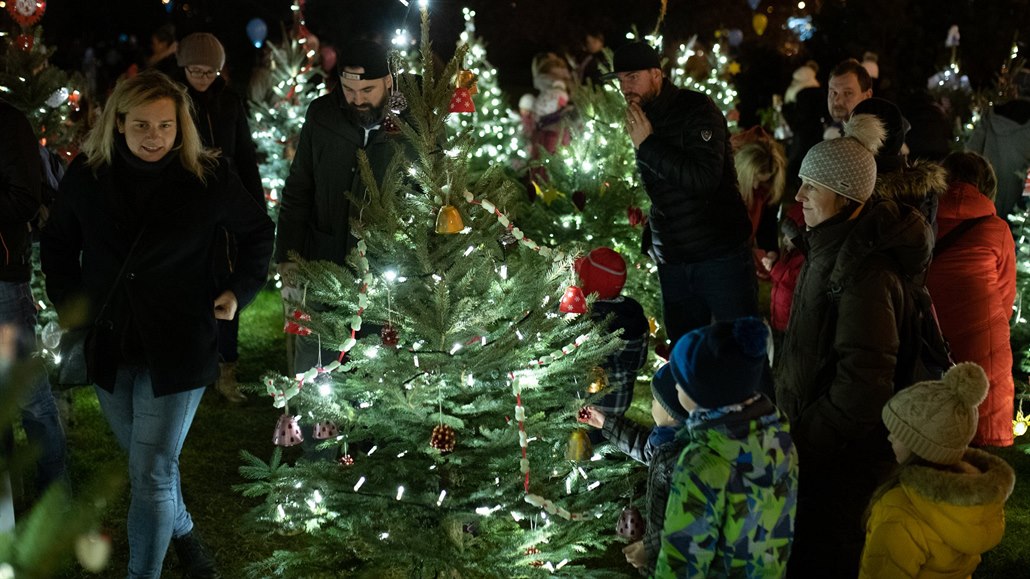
(367, 116)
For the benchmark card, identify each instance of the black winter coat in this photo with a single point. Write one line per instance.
(168, 290)
(836, 369)
(687, 168)
(314, 218)
(20, 181)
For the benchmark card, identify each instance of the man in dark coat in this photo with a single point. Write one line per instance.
(698, 226)
(314, 218)
(20, 181)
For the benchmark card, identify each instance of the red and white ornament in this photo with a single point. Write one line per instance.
(346, 460)
(461, 102)
(573, 302)
(389, 335)
(93, 550)
(26, 12)
(324, 430)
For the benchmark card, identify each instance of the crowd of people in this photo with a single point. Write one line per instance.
(823, 443)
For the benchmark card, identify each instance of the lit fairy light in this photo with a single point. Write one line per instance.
(360, 482)
(373, 449)
(400, 492)
(439, 499)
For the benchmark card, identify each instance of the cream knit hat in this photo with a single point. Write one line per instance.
(201, 49)
(847, 166)
(937, 419)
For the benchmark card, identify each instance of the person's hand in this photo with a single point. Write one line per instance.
(637, 125)
(769, 260)
(225, 306)
(635, 554)
(592, 416)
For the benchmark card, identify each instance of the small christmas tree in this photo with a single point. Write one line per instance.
(708, 72)
(496, 127)
(461, 453)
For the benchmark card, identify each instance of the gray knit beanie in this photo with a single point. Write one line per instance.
(201, 49)
(847, 166)
(936, 420)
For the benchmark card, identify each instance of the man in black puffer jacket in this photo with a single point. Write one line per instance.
(698, 226)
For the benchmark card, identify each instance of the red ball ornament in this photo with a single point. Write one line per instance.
(443, 438)
(292, 327)
(579, 199)
(389, 335)
(24, 42)
(630, 525)
(584, 414)
(346, 460)
(26, 12)
(635, 216)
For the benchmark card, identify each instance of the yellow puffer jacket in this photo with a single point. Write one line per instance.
(935, 524)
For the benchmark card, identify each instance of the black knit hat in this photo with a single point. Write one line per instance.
(365, 54)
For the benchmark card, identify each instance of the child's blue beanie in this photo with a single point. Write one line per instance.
(663, 388)
(721, 364)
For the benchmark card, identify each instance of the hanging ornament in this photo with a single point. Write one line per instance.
(257, 30)
(448, 220)
(26, 12)
(397, 103)
(73, 99)
(759, 22)
(662, 349)
(579, 199)
(300, 316)
(598, 380)
(292, 327)
(324, 430)
(467, 79)
(579, 446)
(24, 42)
(1022, 421)
(389, 124)
(584, 414)
(548, 193)
(573, 302)
(630, 525)
(389, 335)
(635, 216)
(507, 240)
(345, 460)
(93, 550)
(954, 37)
(735, 36)
(57, 98)
(461, 102)
(442, 438)
(754, 4)
(652, 326)
(287, 432)
(534, 551)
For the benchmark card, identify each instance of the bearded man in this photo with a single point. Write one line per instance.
(698, 227)
(314, 217)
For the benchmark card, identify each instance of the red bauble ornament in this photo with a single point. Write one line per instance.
(573, 302)
(287, 432)
(389, 335)
(443, 438)
(292, 327)
(26, 12)
(389, 124)
(534, 551)
(662, 349)
(579, 199)
(630, 525)
(346, 460)
(461, 102)
(300, 316)
(24, 42)
(635, 216)
(584, 414)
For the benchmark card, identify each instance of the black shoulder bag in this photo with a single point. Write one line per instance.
(77, 346)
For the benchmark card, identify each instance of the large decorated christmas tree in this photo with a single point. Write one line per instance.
(455, 424)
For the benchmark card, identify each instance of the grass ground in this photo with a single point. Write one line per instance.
(210, 462)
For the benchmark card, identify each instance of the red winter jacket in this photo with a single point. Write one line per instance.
(785, 272)
(973, 285)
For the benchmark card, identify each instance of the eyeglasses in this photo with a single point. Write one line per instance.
(201, 73)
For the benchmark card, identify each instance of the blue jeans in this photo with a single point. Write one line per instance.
(39, 414)
(718, 289)
(152, 430)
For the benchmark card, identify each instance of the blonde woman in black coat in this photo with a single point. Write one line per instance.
(130, 243)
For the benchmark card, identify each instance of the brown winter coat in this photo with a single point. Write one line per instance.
(973, 285)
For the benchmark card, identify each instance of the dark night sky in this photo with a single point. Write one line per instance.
(908, 34)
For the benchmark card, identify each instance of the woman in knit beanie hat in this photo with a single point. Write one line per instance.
(221, 121)
(946, 504)
(847, 347)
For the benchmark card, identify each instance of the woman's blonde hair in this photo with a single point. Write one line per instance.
(144, 88)
(758, 157)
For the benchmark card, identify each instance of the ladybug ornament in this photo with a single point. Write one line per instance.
(630, 525)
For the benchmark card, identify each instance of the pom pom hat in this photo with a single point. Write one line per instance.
(721, 364)
(602, 271)
(847, 166)
(936, 420)
(663, 388)
(200, 49)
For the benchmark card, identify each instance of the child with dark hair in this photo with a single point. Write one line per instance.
(734, 491)
(945, 505)
(658, 448)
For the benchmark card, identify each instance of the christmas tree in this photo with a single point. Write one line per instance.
(496, 127)
(709, 72)
(47, 95)
(293, 81)
(457, 423)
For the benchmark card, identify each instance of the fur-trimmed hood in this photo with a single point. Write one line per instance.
(912, 185)
(965, 509)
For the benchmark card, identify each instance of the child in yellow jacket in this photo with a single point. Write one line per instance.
(945, 505)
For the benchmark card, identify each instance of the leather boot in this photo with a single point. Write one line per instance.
(194, 558)
(226, 383)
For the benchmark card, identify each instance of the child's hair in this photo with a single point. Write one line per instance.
(974, 169)
(764, 156)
